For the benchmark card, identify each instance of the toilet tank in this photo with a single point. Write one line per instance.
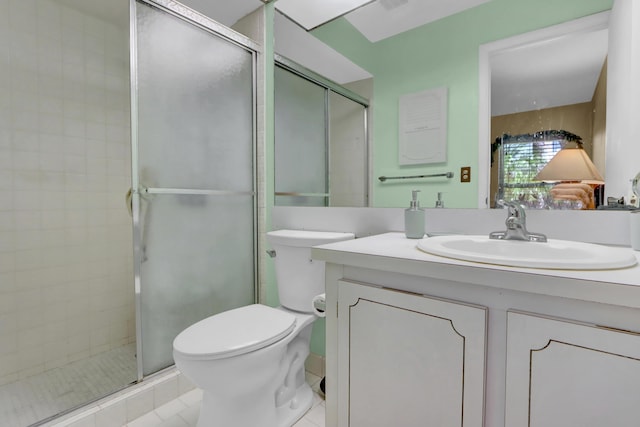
(300, 278)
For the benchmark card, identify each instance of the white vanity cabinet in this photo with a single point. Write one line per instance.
(569, 374)
(408, 359)
(416, 339)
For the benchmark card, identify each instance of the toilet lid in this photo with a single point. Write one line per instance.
(234, 332)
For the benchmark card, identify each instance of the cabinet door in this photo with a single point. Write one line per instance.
(567, 374)
(408, 360)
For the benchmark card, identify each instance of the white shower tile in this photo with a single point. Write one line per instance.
(170, 409)
(30, 361)
(49, 104)
(192, 398)
(317, 415)
(97, 165)
(139, 404)
(73, 109)
(6, 180)
(186, 389)
(53, 257)
(112, 415)
(25, 140)
(305, 423)
(22, 13)
(8, 242)
(95, 113)
(26, 161)
(53, 162)
(9, 367)
(149, 420)
(191, 414)
(166, 391)
(9, 328)
(7, 261)
(27, 200)
(75, 164)
(87, 421)
(8, 304)
(96, 130)
(26, 220)
(6, 157)
(175, 421)
(7, 282)
(74, 127)
(50, 123)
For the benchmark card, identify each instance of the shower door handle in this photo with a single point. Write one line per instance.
(195, 191)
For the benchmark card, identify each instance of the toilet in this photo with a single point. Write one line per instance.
(249, 361)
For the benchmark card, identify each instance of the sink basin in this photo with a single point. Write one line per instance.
(554, 254)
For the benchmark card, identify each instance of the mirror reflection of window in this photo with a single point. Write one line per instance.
(520, 159)
(321, 153)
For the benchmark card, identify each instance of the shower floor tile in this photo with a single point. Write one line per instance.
(57, 390)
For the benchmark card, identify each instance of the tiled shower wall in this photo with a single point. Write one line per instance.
(66, 287)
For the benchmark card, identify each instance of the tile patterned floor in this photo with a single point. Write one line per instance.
(184, 411)
(43, 395)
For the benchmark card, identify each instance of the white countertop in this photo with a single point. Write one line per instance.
(393, 252)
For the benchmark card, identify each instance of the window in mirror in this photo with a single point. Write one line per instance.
(521, 158)
(321, 150)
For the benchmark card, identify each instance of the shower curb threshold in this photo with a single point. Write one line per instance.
(130, 403)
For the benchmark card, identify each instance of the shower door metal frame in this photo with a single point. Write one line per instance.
(218, 30)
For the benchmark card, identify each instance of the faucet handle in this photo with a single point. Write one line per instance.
(515, 208)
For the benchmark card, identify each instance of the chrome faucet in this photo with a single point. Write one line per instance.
(516, 225)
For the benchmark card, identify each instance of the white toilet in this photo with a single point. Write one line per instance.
(249, 361)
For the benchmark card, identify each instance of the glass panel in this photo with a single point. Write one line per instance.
(348, 169)
(195, 119)
(187, 273)
(195, 106)
(300, 140)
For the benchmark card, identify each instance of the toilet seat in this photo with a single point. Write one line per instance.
(234, 332)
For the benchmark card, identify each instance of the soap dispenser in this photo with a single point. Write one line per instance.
(414, 218)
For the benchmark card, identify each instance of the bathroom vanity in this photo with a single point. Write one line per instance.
(417, 339)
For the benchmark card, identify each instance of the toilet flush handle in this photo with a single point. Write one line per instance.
(271, 253)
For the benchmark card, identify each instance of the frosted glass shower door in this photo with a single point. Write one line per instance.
(194, 209)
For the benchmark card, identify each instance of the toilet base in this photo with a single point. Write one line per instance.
(289, 414)
(216, 412)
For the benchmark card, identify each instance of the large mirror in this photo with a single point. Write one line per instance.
(445, 53)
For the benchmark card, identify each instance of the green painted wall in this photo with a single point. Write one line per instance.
(443, 53)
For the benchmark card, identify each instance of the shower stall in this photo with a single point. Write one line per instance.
(127, 192)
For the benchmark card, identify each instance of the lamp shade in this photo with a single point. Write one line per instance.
(570, 164)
